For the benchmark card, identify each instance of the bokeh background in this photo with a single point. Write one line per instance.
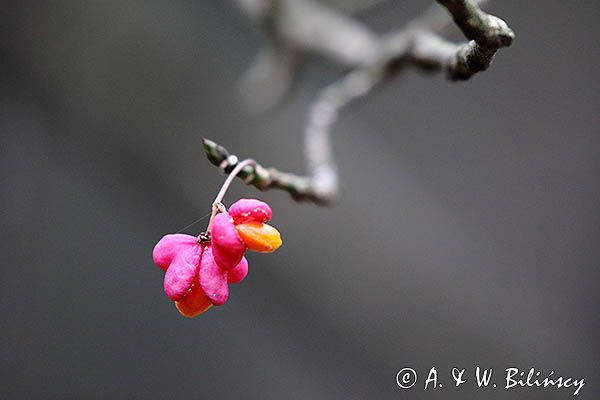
(467, 234)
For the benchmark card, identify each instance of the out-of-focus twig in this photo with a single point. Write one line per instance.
(375, 60)
(292, 29)
(487, 33)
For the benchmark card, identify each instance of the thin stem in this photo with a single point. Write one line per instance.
(241, 165)
(217, 205)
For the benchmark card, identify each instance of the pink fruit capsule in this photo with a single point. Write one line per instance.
(213, 280)
(250, 210)
(169, 246)
(238, 273)
(227, 247)
(182, 271)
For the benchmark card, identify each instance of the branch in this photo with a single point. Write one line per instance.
(418, 45)
(487, 33)
(299, 187)
(292, 29)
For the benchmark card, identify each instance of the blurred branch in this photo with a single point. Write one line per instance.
(487, 33)
(295, 25)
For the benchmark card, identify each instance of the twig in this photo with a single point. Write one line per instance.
(217, 205)
(262, 178)
(487, 33)
(417, 44)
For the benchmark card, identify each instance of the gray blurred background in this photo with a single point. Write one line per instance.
(467, 233)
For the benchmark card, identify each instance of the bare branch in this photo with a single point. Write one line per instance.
(299, 187)
(433, 20)
(417, 44)
(487, 30)
(487, 33)
(293, 28)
